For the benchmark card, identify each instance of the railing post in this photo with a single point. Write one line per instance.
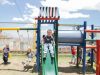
(98, 58)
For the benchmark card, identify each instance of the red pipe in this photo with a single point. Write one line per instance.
(46, 18)
(95, 31)
(98, 58)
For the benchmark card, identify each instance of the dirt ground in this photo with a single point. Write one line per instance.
(69, 69)
(16, 68)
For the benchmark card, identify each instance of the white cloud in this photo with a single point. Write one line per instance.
(32, 13)
(18, 19)
(29, 6)
(28, 26)
(72, 5)
(72, 15)
(3, 2)
(65, 7)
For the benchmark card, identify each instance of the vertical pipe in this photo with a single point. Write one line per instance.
(52, 11)
(41, 12)
(92, 37)
(46, 12)
(98, 58)
(55, 11)
(49, 11)
(38, 47)
(56, 42)
(56, 39)
(84, 49)
(34, 37)
(77, 64)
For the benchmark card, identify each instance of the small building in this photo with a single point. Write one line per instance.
(15, 44)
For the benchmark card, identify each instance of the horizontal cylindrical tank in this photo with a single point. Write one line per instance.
(70, 36)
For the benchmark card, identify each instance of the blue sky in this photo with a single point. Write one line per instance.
(71, 11)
